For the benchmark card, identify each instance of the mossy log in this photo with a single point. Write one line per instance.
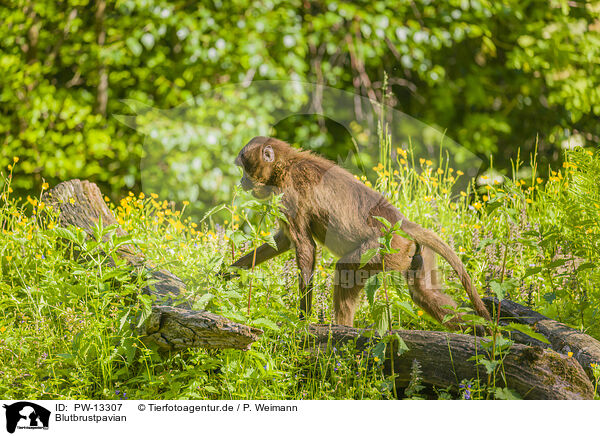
(532, 372)
(172, 325)
(563, 339)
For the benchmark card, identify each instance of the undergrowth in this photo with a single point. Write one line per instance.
(70, 307)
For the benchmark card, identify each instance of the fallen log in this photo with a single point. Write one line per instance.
(532, 372)
(172, 325)
(563, 339)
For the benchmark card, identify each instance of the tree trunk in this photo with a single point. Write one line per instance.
(532, 372)
(170, 326)
(563, 339)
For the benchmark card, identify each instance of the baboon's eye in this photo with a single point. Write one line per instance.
(268, 154)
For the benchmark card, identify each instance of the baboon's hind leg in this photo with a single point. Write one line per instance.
(349, 279)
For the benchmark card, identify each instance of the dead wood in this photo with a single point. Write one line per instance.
(172, 325)
(563, 339)
(532, 372)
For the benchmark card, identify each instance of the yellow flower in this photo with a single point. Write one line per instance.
(153, 195)
(477, 205)
(528, 200)
(376, 359)
(539, 180)
(570, 354)
(459, 172)
(463, 193)
(9, 258)
(10, 167)
(428, 162)
(461, 249)
(142, 195)
(50, 225)
(72, 200)
(477, 226)
(419, 312)
(440, 171)
(15, 159)
(485, 198)
(186, 203)
(45, 186)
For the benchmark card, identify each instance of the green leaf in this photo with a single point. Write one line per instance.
(64, 233)
(371, 286)
(585, 266)
(383, 221)
(531, 271)
(146, 301)
(525, 329)
(400, 345)
(379, 351)
(490, 366)
(506, 394)
(265, 323)
(367, 256)
(498, 290)
(202, 302)
(556, 263)
(269, 239)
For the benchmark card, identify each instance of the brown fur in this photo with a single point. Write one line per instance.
(324, 202)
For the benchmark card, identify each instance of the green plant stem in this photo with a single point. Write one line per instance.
(389, 314)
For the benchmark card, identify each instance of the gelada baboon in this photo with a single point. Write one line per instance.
(325, 203)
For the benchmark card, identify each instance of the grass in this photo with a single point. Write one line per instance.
(67, 315)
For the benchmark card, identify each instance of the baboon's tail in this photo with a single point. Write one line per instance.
(430, 239)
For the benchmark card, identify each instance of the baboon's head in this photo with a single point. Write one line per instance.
(262, 160)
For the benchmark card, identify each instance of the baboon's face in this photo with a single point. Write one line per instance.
(257, 159)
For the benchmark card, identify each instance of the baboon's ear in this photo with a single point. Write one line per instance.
(268, 154)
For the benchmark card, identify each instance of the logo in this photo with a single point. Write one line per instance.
(26, 415)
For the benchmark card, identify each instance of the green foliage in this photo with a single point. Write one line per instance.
(489, 74)
(69, 306)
